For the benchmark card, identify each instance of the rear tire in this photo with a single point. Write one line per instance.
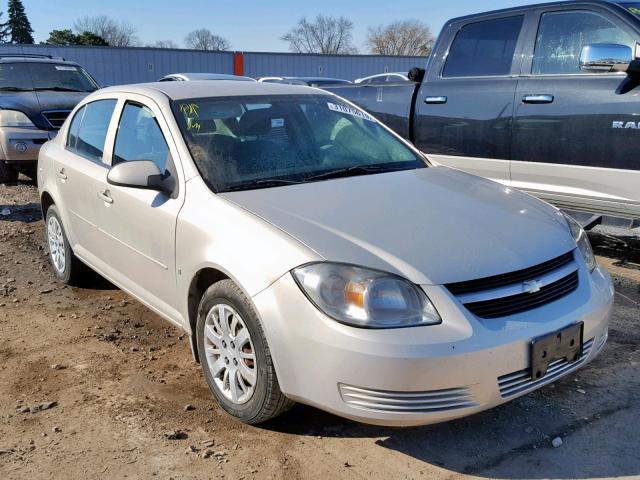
(66, 267)
(8, 174)
(229, 332)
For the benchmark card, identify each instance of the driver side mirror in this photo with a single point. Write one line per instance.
(605, 57)
(143, 174)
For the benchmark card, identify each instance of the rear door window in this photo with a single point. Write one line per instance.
(484, 48)
(88, 130)
(563, 35)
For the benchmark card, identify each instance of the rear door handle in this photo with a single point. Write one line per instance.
(435, 100)
(105, 197)
(61, 174)
(538, 98)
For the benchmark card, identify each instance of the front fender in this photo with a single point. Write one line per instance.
(214, 233)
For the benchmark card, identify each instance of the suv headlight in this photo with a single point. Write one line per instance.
(365, 298)
(580, 236)
(14, 118)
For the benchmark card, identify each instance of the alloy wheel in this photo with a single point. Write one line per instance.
(56, 244)
(230, 354)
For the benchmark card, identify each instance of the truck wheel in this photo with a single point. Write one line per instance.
(235, 357)
(66, 266)
(8, 174)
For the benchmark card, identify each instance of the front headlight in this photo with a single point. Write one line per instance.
(14, 118)
(580, 236)
(365, 298)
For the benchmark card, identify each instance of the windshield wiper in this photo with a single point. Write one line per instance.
(265, 182)
(59, 89)
(15, 89)
(350, 171)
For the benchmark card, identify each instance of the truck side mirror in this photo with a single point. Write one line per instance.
(605, 57)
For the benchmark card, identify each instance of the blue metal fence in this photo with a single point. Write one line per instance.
(349, 67)
(113, 66)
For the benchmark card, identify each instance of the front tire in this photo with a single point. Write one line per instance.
(235, 357)
(66, 267)
(8, 174)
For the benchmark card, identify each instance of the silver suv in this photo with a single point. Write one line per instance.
(312, 255)
(37, 92)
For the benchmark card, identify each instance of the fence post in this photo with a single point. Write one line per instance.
(238, 63)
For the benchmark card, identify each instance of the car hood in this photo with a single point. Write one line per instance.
(433, 225)
(33, 103)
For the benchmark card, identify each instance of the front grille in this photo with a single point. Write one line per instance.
(407, 402)
(55, 118)
(501, 307)
(509, 293)
(519, 382)
(510, 278)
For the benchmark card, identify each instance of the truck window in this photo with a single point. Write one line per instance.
(562, 35)
(484, 48)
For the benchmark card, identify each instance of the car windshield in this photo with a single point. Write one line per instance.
(241, 143)
(632, 7)
(30, 76)
(321, 82)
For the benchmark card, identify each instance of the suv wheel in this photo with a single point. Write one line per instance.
(8, 174)
(66, 266)
(235, 357)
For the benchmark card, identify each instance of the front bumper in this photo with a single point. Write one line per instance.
(423, 375)
(22, 145)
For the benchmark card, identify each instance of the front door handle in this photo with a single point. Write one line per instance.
(61, 174)
(105, 197)
(538, 98)
(435, 100)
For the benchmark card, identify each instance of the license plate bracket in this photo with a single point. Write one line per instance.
(565, 344)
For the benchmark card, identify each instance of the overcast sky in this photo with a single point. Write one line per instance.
(248, 25)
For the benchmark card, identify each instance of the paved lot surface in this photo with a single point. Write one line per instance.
(121, 378)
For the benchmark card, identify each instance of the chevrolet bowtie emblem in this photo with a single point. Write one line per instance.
(531, 286)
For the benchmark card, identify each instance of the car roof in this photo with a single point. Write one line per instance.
(210, 76)
(304, 79)
(401, 74)
(521, 8)
(205, 88)
(313, 79)
(16, 58)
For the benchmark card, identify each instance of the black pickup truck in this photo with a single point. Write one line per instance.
(545, 98)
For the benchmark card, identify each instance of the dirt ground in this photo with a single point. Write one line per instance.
(131, 403)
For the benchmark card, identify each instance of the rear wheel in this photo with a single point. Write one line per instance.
(66, 266)
(235, 357)
(8, 174)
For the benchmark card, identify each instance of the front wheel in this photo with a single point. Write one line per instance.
(8, 174)
(235, 357)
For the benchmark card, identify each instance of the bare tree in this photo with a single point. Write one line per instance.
(409, 37)
(163, 44)
(203, 39)
(325, 34)
(116, 34)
